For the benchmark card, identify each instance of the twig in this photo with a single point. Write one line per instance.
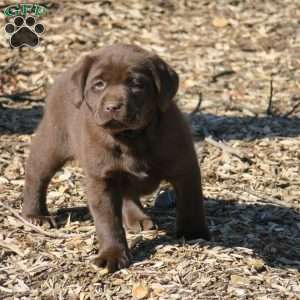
(18, 98)
(198, 106)
(209, 139)
(264, 198)
(12, 248)
(9, 66)
(42, 231)
(11, 293)
(22, 95)
(294, 107)
(269, 109)
(221, 74)
(228, 149)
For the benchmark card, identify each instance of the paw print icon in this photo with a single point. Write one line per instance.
(24, 32)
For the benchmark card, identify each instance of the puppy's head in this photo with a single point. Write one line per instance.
(123, 86)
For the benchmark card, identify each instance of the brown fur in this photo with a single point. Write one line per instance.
(113, 112)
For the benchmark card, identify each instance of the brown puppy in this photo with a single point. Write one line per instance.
(113, 112)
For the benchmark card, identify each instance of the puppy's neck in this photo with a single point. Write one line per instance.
(144, 133)
(130, 134)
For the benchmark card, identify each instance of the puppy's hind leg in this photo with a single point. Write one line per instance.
(47, 154)
(190, 215)
(134, 217)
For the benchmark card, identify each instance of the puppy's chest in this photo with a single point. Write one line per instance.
(135, 161)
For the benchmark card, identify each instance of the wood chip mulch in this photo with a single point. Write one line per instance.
(242, 60)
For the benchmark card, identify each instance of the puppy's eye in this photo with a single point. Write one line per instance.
(136, 85)
(134, 82)
(99, 85)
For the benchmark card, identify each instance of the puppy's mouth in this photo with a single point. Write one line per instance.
(120, 124)
(121, 131)
(115, 125)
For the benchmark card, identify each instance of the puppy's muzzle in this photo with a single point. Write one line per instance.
(113, 107)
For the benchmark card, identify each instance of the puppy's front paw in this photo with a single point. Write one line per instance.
(40, 220)
(113, 258)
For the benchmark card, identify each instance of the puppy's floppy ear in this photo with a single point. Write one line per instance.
(166, 81)
(79, 74)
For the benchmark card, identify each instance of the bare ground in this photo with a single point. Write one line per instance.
(230, 53)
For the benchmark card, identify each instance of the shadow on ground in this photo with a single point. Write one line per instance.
(20, 120)
(245, 128)
(25, 121)
(270, 231)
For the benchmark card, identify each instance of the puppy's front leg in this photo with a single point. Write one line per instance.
(190, 214)
(47, 154)
(105, 203)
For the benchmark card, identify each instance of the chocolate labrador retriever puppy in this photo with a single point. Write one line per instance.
(113, 112)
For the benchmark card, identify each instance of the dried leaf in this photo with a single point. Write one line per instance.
(140, 291)
(257, 264)
(220, 22)
(237, 280)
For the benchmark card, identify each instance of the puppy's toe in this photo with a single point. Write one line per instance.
(137, 226)
(147, 224)
(113, 260)
(41, 220)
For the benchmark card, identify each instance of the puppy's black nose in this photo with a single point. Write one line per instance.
(112, 107)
